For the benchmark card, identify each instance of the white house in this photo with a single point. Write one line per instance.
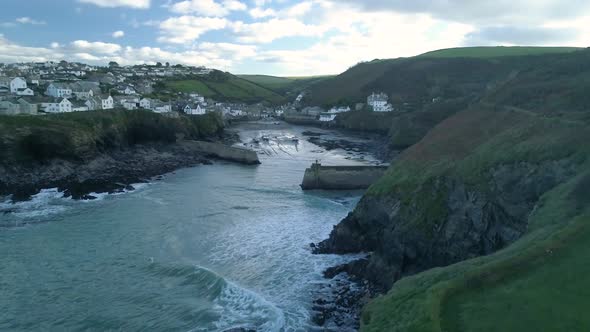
(237, 113)
(197, 97)
(107, 103)
(161, 107)
(25, 92)
(379, 102)
(194, 110)
(17, 83)
(337, 110)
(327, 117)
(58, 90)
(130, 103)
(85, 90)
(129, 91)
(145, 103)
(63, 106)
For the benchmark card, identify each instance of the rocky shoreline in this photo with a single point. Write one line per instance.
(114, 171)
(373, 144)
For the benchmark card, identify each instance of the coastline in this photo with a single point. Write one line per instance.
(114, 171)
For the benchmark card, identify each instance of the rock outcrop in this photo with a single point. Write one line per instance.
(443, 222)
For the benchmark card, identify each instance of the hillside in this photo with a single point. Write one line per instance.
(496, 199)
(496, 51)
(224, 87)
(446, 74)
(99, 151)
(286, 86)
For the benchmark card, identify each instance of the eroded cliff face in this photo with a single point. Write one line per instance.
(443, 221)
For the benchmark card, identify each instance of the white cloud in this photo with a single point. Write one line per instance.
(234, 5)
(28, 20)
(118, 34)
(207, 7)
(228, 50)
(94, 47)
(211, 55)
(139, 4)
(299, 9)
(276, 28)
(184, 29)
(261, 13)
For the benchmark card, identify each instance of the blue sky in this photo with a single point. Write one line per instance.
(277, 37)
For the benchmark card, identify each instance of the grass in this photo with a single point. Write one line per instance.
(225, 87)
(533, 284)
(506, 291)
(496, 51)
(82, 134)
(190, 86)
(284, 85)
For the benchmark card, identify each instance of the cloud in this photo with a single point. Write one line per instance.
(211, 55)
(276, 28)
(261, 13)
(228, 50)
(207, 7)
(118, 34)
(184, 29)
(469, 11)
(28, 20)
(94, 47)
(138, 4)
(515, 35)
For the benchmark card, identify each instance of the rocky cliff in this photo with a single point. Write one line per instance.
(466, 190)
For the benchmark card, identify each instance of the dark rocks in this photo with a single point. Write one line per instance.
(439, 223)
(311, 134)
(107, 173)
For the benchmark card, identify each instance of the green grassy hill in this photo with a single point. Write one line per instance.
(496, 51)
(225, 87)
(445, 73)
(484, 223)
(533, 284)
(288, 86)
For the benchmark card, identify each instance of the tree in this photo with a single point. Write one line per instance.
(167, 64)
(113, 64)
(158, 64)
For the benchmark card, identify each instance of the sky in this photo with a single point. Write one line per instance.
(277, 37)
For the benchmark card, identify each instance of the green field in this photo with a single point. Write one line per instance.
(225, 87)
(496, 51)
(284, 85)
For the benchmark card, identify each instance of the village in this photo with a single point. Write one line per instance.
(44, 88)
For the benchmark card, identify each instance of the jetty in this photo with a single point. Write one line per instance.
(225, 152)
(341, 177)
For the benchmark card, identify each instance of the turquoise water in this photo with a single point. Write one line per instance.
(207, 248)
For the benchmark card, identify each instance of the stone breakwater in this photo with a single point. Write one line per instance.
(222, 151)
(341, 177)
(115, 170)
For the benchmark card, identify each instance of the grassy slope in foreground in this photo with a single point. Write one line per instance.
(480, 294)
(496, 51)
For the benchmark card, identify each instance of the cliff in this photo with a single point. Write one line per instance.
(102, 151)
(476, 184)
